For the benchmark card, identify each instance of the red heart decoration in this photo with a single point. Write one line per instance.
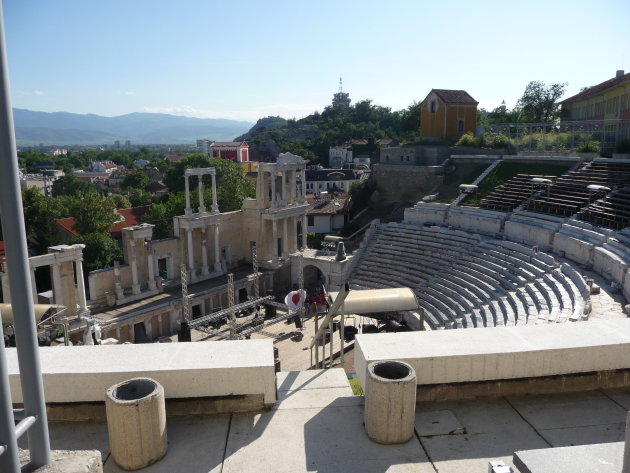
(295, 298)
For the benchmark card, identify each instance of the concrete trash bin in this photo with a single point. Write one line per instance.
(390, 401)
(136, 422)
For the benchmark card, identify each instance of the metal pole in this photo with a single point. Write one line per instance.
(9, 460)
(17, 263)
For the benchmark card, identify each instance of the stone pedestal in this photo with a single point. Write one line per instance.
(390, 401)
(136, 422)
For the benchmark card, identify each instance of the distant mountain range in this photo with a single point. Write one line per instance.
(62, 128)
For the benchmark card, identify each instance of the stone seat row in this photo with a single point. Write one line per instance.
(492, 283)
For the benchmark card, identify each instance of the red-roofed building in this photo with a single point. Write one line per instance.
(128, 217)
(447, 114)
(234, 150)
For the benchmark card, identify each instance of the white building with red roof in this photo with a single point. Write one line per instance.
(235, 150)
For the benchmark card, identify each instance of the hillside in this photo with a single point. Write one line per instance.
(312, 136)
(62, 128)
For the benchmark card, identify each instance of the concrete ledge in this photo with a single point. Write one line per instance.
(185, 370)
(596, 458)
(502, 353)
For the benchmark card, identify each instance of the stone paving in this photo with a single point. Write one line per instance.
(317, 425)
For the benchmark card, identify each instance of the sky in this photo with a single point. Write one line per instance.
(245, 60)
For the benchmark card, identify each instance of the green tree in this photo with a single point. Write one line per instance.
(232, 184)
(410, 119)
(137, 180)
(40, 214)
(539, 102)
(100, 250)
(70, 185)
(139, 197)
(93, 213)
(120, 201)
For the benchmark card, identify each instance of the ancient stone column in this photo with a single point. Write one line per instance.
(135, 285)
(5, 288)
(283, 186)
(215, 203)
(304, 231)
(303, 196)
(204, 252)
(202, 205)
(273, 189)
(150, 268)
(191, 255)
(217, 250)
(57, 289)
(274, 240)
(188, 210)
(78, 267)
(295, 228)
(285, 238)
(33, 286)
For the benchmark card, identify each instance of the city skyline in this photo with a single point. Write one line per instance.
(248, 60)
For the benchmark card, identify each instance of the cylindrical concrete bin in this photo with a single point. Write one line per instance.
(390, 401)
(136, 422)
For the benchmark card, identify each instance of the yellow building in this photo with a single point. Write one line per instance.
(606, 108)
(609, 100)
(447, 114)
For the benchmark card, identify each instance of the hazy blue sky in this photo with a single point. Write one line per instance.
(248, 59)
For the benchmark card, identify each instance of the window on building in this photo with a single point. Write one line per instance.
(460, 126)
(311, 220)
(433, 106)
(407, 158)
(386, 157)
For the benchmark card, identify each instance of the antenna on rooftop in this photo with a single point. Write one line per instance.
(340, 85)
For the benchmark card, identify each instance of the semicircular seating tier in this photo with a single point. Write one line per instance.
(469, 280)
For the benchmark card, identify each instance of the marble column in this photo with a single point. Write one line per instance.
(187, 211)
(304, 231)
(202, 205)
(274, 240)
(6, 293)
(295, 228)
(191, 255)
(217, 250)
(78, 268)
(303, 193)
(150, 267)
(285, 238)
(283, 186)
(292, 187)
(204, 252)
(215, 203)
(273, 189)
(33, 286)
(135, 285)
(57, 289)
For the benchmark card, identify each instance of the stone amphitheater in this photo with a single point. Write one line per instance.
(528, 254)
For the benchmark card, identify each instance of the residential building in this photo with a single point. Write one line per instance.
(447, 114)
(234, 150)
(203, 146)
(327, 214)
(339, 155)
(324, 180)
(128, 218)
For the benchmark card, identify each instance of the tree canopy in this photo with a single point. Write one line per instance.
(70, 185)
(93, 213)
(137, 180)
(539, 102)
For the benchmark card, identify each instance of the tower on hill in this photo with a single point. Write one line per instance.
(341, 97)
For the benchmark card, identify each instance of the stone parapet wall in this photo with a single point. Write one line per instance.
(452, 357)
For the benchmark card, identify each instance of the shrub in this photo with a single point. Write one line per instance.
(468, 139)
(588, 147)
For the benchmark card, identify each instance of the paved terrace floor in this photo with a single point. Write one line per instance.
(317, 426)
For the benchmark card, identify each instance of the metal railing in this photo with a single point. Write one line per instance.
(32, 418)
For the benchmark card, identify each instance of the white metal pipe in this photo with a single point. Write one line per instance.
(18, 267)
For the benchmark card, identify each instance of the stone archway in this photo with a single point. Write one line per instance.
(314, 279)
